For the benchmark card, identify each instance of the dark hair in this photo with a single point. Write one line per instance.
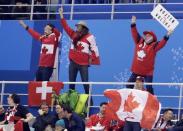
(43, 103)
(67, 108)
(16, 98)
(84, 30)
(140, 78)
(103, 103)
(51, 25)
(168, 109)
(79, 35)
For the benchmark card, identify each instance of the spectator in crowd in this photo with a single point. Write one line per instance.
(83, 51)
(22, 6)
(135, 126)
(164, 122)
(137, 1)
(39, 9)
(5, 9)
(17, 112)
(146, 48)
(139, 83)
(60, 115)
(76, 123)
(60, 125)
(45, 120)
(161, 1)
(2, 114)
(50, 43)
(177, 127)
(101, 120)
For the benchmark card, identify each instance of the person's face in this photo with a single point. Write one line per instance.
(1, 109)
(103, 108)
(44, 108)
(58, 128)
(148, 38)
(168, 115)
(139, 85)
(10, 100)
(47, 30)
(58, 109)
(79, 28)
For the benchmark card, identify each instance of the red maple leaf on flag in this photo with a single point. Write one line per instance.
(80, 47)
(130, 103)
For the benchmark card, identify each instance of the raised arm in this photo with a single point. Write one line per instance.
(33, 33)
(136, 36)
(66, 27)
(163, 42)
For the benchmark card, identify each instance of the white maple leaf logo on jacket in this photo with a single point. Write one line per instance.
(141, 54)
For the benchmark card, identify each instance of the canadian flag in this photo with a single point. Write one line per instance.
(133, 105)
(42, 91)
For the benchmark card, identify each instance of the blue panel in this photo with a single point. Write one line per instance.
(93, 8)
(129, 15)
(12, 39)
(173, 7)
(86, 16)
(174, 1)
(133, 8)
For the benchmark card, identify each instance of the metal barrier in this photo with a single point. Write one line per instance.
(112, 9)
(180, 96)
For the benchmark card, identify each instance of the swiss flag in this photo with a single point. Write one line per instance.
(42, 91)
(133, 105)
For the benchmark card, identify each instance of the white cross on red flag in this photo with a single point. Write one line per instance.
(42, 91)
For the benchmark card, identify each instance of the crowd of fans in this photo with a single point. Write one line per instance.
(65, 119)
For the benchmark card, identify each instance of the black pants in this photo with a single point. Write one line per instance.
(44, 73)
(132, 126)
(146, 78)
(73, 71)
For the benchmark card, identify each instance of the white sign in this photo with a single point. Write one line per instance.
(164, 17)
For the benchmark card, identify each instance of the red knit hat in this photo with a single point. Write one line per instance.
(151, 33)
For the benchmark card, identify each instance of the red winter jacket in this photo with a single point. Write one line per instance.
(144, 55)
(85, 49)
(48, 48)
(95, 119)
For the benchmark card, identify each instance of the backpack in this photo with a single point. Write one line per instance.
(77, 102)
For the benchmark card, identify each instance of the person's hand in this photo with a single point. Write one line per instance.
(24, 120)
(21, 22)
(41, 112)
(169, 32)
(61, 12)
(133, 20)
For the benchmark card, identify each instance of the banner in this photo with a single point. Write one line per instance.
(164, 17)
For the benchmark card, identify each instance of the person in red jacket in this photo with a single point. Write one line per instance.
(145, 51)
(49, 41)
(101, 119)
(83, 51)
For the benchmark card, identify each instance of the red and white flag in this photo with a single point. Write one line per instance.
(133, 105)
(42, 91)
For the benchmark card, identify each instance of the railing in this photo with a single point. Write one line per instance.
(108, 11)
(91, 85)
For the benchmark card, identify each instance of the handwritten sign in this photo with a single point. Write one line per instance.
(164, 17)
